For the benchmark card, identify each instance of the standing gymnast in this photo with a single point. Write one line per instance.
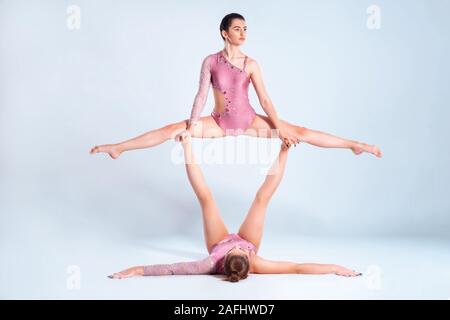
(230, 72)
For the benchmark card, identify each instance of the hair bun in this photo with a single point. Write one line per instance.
(234, 277)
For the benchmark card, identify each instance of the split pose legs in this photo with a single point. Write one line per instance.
(206, 127)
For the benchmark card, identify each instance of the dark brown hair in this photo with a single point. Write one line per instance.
(226, 22)
(236, 267)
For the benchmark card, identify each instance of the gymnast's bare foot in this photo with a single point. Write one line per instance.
(112, 149)
(360, 147)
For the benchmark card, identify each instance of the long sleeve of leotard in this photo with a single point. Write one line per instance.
(203, 89)
(204, 266)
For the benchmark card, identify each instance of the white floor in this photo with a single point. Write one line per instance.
(47, 263)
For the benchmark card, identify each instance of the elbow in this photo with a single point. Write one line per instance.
(262, 197)
(265, 102)
(298, 269)
(205, 196)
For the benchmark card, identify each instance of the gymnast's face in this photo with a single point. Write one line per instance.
(237, 32)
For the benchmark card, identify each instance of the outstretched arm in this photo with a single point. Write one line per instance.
(265, 266)
(267, 105)
(204, 266)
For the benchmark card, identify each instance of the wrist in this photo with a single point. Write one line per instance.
(275, 121)
(139, 271)
(333, 268)
(281, 126)
(277, 125)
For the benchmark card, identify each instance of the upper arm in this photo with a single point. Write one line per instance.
(258, 83)
(205, 73)
(265, 266)
(203, 88)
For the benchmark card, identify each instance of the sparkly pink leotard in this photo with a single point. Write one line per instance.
(209, 265)
(232, 82)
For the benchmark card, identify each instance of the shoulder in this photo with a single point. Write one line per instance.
(252, 65)
(208, 59)
(251, 60)
(212, 55)
(209, 56)
(206, 62)
(255, 263)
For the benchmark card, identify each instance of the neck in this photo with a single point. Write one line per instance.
(231, 51)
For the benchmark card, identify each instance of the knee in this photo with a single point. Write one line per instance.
(171, 130)
(205, 197)
(196, 129)
(301, 131)
(262, 197)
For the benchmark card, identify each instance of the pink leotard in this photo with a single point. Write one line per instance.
(209, 265)
(232, 82)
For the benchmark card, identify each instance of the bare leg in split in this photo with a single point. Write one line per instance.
(262, 126)
(208, 128)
